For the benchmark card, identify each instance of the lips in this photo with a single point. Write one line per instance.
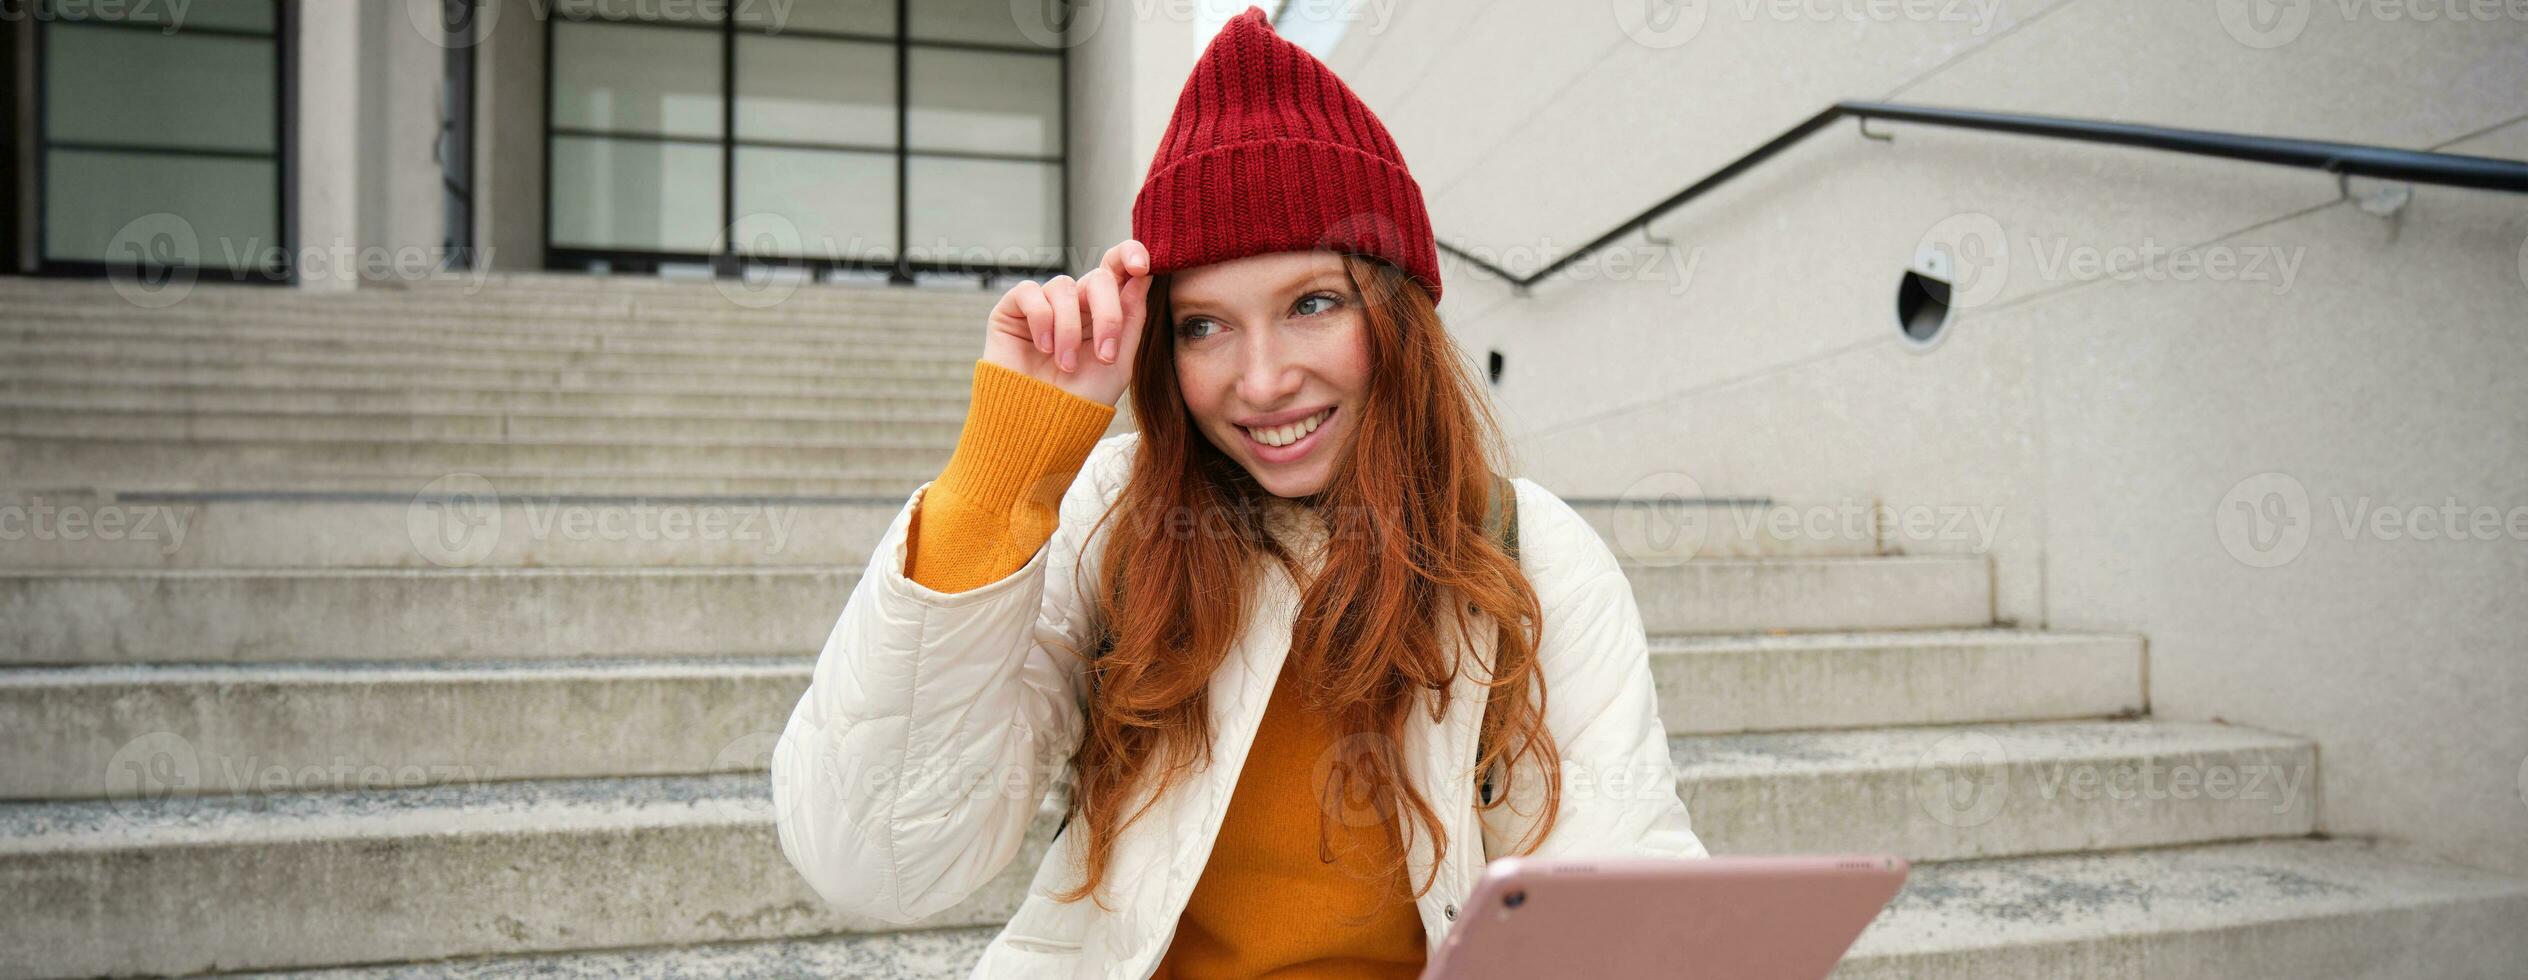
(1286, 434)
(1302, 439)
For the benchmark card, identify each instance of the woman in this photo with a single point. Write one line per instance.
(1297, 696)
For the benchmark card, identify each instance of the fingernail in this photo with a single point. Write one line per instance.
(1106, 350)
(1066, 358)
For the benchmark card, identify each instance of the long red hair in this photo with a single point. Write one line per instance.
(1401, 534)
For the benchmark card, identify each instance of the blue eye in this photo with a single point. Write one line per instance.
(1185, 328)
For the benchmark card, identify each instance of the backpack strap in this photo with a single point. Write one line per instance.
(1501, 523)
(1501, 516)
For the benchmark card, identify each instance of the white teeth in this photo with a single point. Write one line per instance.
(1283, 435)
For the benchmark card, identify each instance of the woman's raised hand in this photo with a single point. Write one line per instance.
(1079, 335)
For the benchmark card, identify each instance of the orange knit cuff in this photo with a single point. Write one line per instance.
(1000, 496)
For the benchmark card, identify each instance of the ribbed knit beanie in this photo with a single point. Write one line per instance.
(1267, 152)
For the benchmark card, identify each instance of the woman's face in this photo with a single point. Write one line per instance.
(1267, 346)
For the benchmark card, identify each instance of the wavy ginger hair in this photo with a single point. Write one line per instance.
(1401, 534)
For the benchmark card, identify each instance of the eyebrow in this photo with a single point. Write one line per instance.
(1294, 284)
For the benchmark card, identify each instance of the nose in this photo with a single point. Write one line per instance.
(1268, 374)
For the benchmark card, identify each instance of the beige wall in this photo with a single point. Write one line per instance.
(2094, 420)
(367, 183)
(509, 136)
(1128, 62)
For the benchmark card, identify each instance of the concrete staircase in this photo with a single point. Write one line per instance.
(409, 653)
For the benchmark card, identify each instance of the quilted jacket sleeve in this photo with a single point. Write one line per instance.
(934, 724)
(1619, 784)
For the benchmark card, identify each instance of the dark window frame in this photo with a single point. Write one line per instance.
(284, 38)
(730, 261)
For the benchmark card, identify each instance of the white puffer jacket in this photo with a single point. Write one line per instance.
(915, 767)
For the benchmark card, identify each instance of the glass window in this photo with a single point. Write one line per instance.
(815, 204)
(815, 90)
(984, 211)
(655, 11)
(1026, 23)
(633, 79)
(873, 17)
(160, 138)
(138, 87)
(252, 16)
(217, 212)
(835, 127)
(647, 195)
(985, 102)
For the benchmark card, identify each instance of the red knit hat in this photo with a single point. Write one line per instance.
(1267, 152)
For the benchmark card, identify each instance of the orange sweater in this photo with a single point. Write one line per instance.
(1266, 904)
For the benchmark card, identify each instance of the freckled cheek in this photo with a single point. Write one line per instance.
(1202, 389)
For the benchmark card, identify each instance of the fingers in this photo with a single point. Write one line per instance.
(1126, 261)
(1118, 321)
(1136, 309)
(1026, 301)
(1105, 312)
(1064, 293)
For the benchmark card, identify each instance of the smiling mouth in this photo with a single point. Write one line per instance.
(1281, 436)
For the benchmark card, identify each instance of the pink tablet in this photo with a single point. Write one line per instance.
(1745, 917)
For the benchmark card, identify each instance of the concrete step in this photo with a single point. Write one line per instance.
(620, 296)
(1971, 791)
(1759, 683)
(71, 616)
(160, 730)
(174, 885)
(2263, 910)
(27, 388)
(316, 482)
(275, 615)
(457, 332)
(145, 370)
(326, 724)
(475, 323)
(1654, 530)
(361, 356)
(1814, 594)
(189, 883)
(73, 529)
(110, 422)
(48, 460)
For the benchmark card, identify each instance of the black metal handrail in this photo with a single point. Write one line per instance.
(2348, 159)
